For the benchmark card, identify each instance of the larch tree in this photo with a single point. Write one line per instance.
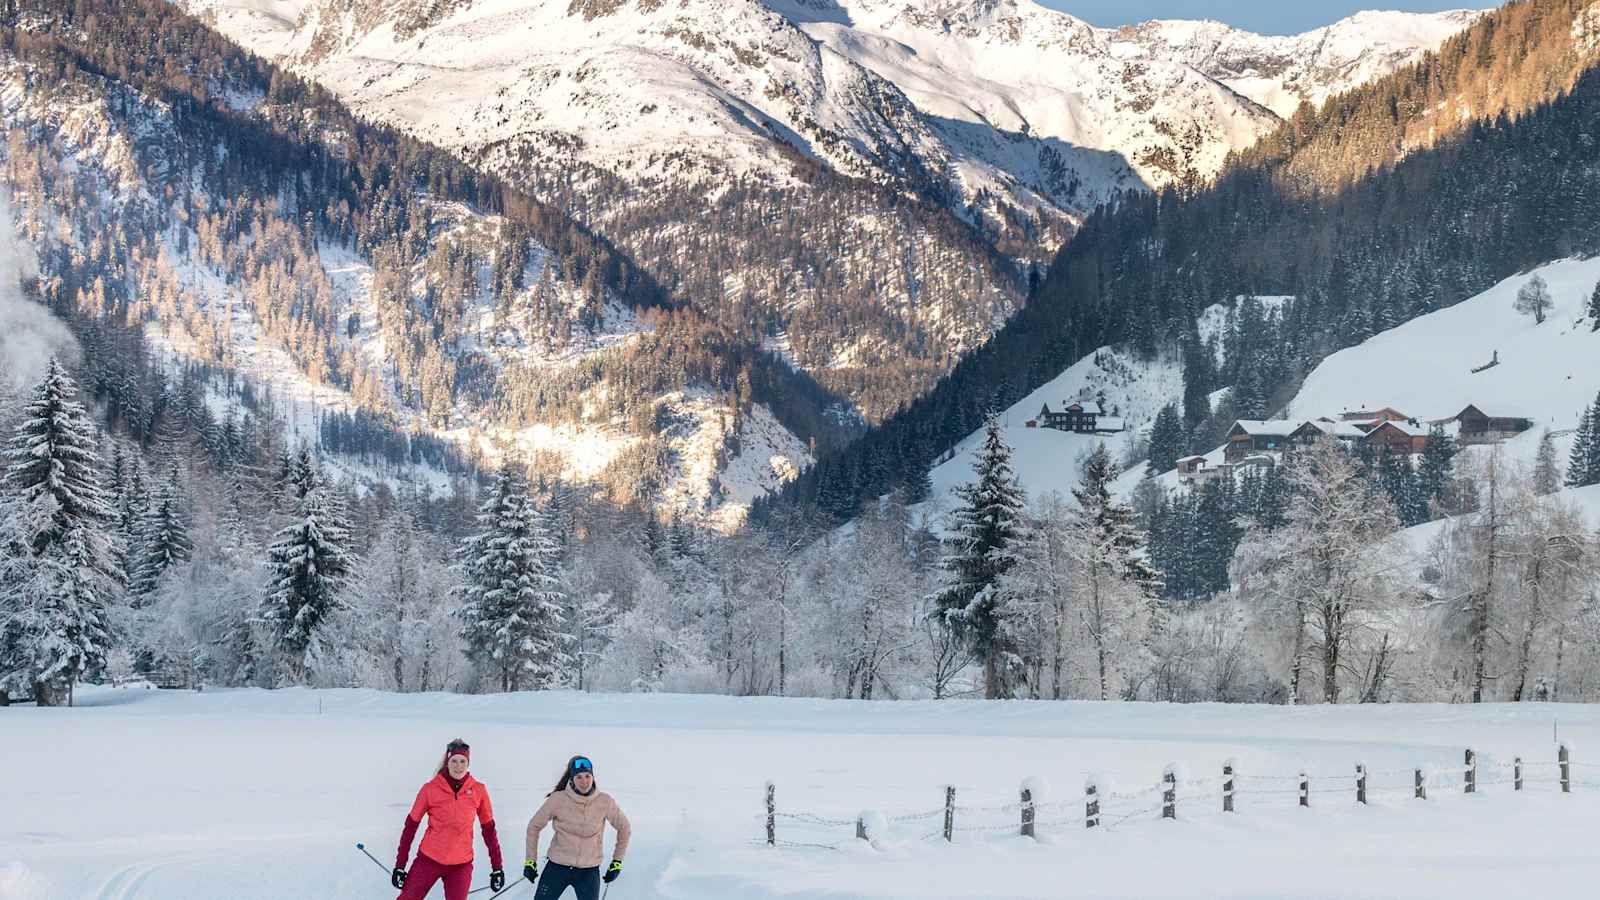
(1546, 475)
(1533, 299)
(1329, 573)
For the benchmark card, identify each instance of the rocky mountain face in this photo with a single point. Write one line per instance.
(855, 181)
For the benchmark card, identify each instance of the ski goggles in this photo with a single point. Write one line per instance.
(581, 765)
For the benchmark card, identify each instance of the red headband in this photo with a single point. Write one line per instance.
(458, 751)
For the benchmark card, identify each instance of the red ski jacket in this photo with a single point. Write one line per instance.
(448, 840)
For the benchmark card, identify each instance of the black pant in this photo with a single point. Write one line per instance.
(556, 878)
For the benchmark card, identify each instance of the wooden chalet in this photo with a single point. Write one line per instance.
(1346, 433)
(1478, 427)
(1402, 438)
(1081, 416)
(1250, 436)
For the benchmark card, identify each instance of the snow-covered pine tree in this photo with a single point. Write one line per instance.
(1546, 477)
(1594, 308)
(1437, 472)
(164, 538)
(308, 565)
(65, 569)
(511, 602)
(983, 527)
(1118, 584)
(1579, 468)
(1167, 440)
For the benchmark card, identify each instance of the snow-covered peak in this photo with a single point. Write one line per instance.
(1280, 72)
(979, 102)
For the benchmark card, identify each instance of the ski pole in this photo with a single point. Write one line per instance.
(508, 887)
(363, 848)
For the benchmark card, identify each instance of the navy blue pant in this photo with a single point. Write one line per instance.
(556, 878)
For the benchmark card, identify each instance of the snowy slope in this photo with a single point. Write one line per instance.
(980, 97)
(1547, 373)
(251, 794)
(1048, 460)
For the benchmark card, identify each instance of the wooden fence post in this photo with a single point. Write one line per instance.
(1305, 789)
(1516, 773)
(772, 816)
(1027, 813)
(861, 827)
(1227, 787)
(1361, 783)
(1564, 757)
(1422, 786)
(949, 812)
(1169, 795)
(1470, 773)
(1091, 805)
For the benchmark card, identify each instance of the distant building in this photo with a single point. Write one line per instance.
(1079, 416)
(1478, 427)
(1346, 433)
(1250, 436)
(1401, 438)
(1382, 414)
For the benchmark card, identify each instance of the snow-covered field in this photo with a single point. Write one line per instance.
(256, 794)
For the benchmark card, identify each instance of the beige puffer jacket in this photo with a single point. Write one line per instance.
(579, 828)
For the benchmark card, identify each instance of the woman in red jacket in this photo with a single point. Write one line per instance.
(450, 801)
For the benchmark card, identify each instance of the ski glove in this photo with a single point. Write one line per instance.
(613, 872)
(497, 880)
(398, 879)
(530, 869)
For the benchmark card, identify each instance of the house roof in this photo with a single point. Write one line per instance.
(1346, 430)
(1110, 423)
(1092, 407)
(1266, 427)
(1408, 428)
(1196, 457)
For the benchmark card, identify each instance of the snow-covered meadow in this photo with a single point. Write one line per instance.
(257, 794)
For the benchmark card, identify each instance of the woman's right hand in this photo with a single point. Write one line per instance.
(398, 879)
(530, 869)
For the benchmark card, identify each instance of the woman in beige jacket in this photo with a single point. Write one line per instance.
(578, 813)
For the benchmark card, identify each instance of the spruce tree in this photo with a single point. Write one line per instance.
(1114, 521)
(1583, 447)
(511, 603)
(1167, 440)
(308, 565)
(1546, 477)
(1437, 472)
(164, 538)
(1594, 308)
(984, 526)
(63, 567)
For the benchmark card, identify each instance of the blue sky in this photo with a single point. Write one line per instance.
(1264, 16)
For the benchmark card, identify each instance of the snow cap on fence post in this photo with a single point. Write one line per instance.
(1361, 782)
(872, 826)
(1469, 773)
(1564, 758)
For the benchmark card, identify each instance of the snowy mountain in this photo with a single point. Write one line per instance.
(856, 178)
(392, 307)
(985, 98)
(1282, 72)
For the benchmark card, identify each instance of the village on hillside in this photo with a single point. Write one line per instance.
(1261, 444)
